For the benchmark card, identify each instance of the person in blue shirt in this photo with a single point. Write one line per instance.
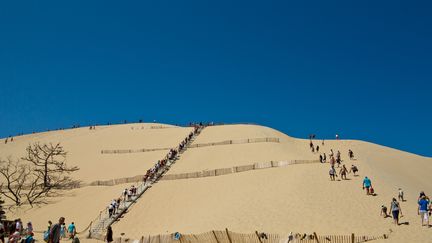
(71, 230)
(423, 210)
(367, 184)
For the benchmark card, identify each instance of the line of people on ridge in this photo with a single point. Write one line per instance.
(153, 172)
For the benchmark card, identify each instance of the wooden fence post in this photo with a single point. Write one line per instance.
(259, 238)
(352, 238)
(316, 237)
(229, 237)
(217, 241)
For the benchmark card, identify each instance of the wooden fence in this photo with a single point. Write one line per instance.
(227, 236)
(239, 141)
(236, 169)
(206, 173)
(227, 142)
(128, 151)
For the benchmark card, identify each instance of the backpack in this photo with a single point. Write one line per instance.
(46, 236)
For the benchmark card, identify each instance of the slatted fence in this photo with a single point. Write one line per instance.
(227, 236)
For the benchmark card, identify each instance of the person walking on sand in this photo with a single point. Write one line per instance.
(351, 154)
(367, 184)
(72, 230)
(332, 173)
(109, 235)
(321, 158)
(384, 211)
(324, 158)
(332, 161)
(343, 172)
(54, 235)
(63, 231)
(396, 210)
(354, 169)
(401, 195)
(423, 210)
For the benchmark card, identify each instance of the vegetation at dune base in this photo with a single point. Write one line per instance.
(41, 173)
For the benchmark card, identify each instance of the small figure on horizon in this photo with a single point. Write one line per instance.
(337, 136)
(322, 143)
(321, 158)
(324, 158)
(317, 148)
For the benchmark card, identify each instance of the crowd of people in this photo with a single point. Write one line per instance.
(20, 234)
(17, 232)
(153, 172)
(58, 231)
(394, 210)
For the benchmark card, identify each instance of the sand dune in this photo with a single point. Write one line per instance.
(84, 148)
(298, 198)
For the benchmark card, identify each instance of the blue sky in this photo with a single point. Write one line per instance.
(360, 69)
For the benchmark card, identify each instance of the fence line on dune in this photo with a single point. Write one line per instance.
(236, 169)
(227, 142)
(237, 141)
(205, 173)
(226, 236)
(127, 151)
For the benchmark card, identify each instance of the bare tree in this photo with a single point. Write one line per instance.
(42, 173)
(50, 162)
(15, 175)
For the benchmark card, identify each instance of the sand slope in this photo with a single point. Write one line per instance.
(298, 198)
(84, 148)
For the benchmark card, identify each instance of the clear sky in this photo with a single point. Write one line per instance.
(362, 69)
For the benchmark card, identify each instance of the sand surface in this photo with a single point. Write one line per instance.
(298, 198)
